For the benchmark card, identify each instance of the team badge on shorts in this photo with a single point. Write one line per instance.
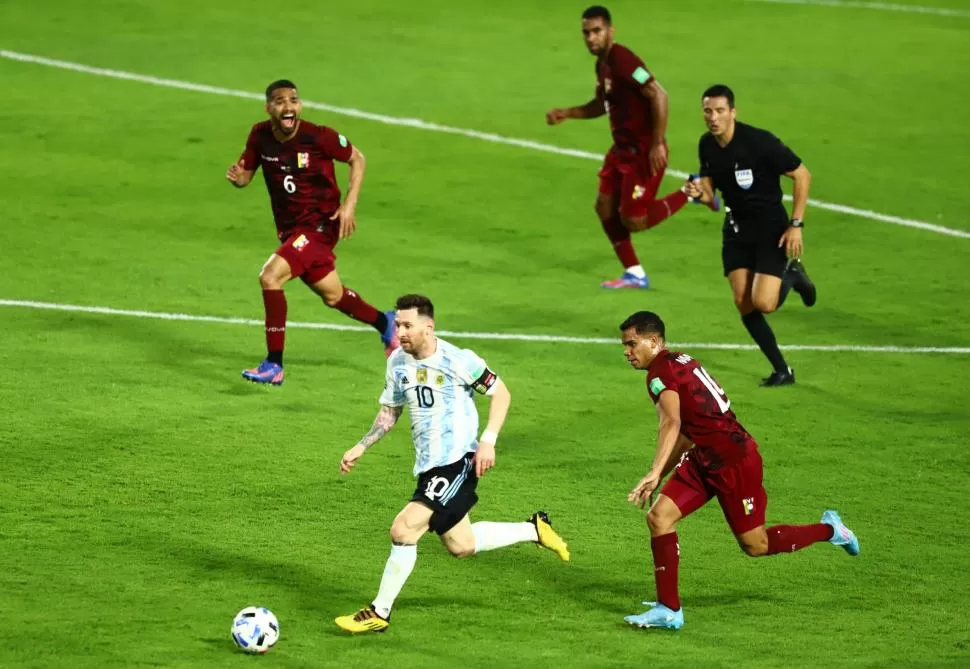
(745, 178)
(748, 503)
(300, 242)
(303, 160)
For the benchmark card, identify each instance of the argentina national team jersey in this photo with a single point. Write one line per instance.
(438, 391)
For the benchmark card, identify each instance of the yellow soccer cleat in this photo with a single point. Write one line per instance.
(548, 536)
(365, 620)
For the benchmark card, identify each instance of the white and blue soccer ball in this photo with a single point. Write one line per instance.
(255, 629)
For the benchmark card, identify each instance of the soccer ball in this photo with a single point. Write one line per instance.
(255, 629)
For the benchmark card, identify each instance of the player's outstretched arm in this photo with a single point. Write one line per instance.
(238, 175)
(660, 106)
(792, 238)
(683, 445)
(668, 435)
(803, 180)
(386, 418)
(347, 212)
(498, 410)
(592, 109)
(702, 190)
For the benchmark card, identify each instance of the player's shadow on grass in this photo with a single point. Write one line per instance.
(875, 409)
(312, 590)
(165, 348)
(221, 644)
(589, 587)
(731, 598)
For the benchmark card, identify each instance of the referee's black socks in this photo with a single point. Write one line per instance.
(763, 335)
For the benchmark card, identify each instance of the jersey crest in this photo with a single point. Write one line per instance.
(745, 178)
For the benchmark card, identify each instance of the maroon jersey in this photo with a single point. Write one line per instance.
(705, 411)
(619, 78)
(299, 174)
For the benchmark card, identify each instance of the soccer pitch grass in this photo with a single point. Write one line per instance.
(148, 493)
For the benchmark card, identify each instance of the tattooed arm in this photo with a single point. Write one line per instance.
(386, 418)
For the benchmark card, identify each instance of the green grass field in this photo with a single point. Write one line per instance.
(148, 493)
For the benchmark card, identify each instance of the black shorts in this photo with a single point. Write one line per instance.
(449, 492)
(756, 250)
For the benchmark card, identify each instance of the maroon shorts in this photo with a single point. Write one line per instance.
(738, 488)
(629, 181)
(309, 255)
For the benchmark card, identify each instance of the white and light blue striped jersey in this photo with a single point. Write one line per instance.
(438, 392)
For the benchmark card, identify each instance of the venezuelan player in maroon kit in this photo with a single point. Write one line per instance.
(297, 160)
(711, 455)
(635, 165)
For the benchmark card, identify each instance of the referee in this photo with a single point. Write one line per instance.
(745, 163)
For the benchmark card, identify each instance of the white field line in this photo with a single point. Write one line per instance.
(495, 336)
(880, 6)
(435, 127)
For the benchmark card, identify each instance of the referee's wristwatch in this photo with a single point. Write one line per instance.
(797, 223)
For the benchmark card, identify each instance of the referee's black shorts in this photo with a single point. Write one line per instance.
(754, 249)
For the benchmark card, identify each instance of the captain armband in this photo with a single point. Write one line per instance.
(485, 384)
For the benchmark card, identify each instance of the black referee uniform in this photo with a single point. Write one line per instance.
(747, 172)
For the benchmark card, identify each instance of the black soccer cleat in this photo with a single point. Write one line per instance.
(803, 285)
(785, 377)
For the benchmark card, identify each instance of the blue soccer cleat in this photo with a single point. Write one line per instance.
(841, 535)
(658, 616)
(267, 372)
(389, 336)
(627, 281)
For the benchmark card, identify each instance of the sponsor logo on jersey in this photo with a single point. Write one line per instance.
(269, 159)
(300, 242)
(302, 160)
(745, 178)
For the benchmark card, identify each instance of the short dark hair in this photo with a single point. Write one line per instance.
(276, 85)
(646, 322)
(598, 12)
(720, 91)
(419, 302)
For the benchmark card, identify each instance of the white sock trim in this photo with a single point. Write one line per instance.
(637, 271)
(489, 536)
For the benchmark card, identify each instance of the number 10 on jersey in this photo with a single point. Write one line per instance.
(425, 396)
